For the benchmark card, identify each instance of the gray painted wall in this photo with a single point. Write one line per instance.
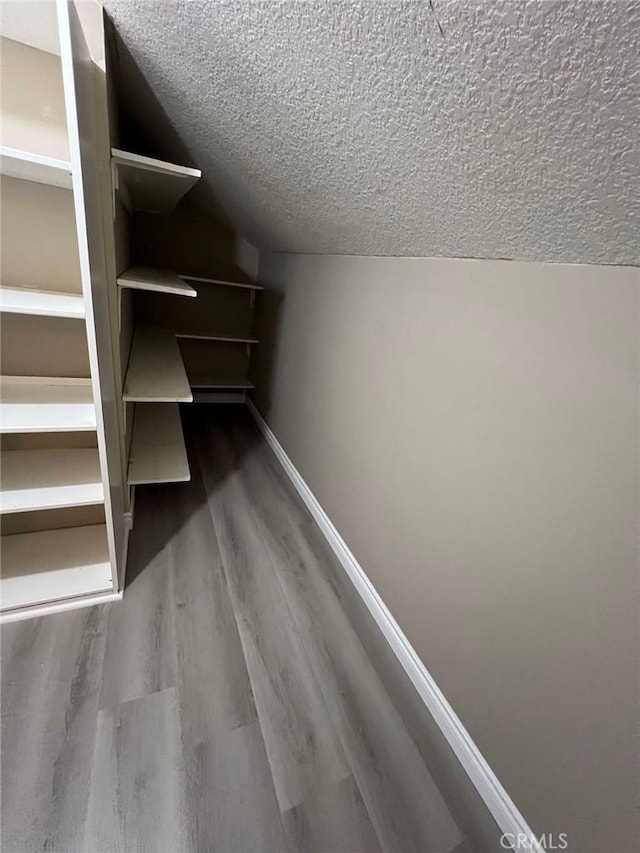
(357, 127)
(471, 427)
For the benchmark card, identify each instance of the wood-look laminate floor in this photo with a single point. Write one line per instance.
(226, 704)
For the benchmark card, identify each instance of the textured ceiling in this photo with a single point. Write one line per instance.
(476, 128)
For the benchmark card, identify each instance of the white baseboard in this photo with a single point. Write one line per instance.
(499, 803)
(58, 606)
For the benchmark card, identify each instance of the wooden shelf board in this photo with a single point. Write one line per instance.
(224, 282)
(202, 380)
(35, 167)
(54, 564)
(45, 303)
(49, 479)
(158, 453)
(158, 280)
(212, 336)
(156, 373)
(152, 185)
(206, 396)
(46, 404)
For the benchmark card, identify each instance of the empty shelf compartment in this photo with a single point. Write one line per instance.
(35, 167)
(158, 280)
(50, 565)
(44, 303)
(46, 404)
(151, 185)
(158, 453)
(156, 373)
(49, 479)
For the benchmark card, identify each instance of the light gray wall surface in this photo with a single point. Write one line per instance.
(476, 128)
(471, 427)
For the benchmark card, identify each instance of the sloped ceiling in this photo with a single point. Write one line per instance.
(471, 128)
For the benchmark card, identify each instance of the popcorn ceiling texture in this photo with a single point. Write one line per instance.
(360, 128)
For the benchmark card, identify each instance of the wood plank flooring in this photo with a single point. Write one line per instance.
(226, 704)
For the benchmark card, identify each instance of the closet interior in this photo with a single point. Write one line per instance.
(120, 301)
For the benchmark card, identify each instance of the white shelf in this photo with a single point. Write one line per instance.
(206, 396)
(35, 167)
(161, 281)
(38, 29)
(230, 339)
(152, 185)
(54, 564)
(158, 454)
(45, 303)
(44, 404)
(246, 284)
(212, 380)
(156, 373)
(49, 479)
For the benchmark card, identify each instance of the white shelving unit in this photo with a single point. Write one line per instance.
(41, 303)
(156, 373)
(60, 462)
(215, 374)
(214, 334)
(151, 185)
(155, 380)
(160, 281)
(50, 479)
(106, 419)
(158, 453)
(35, 167)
